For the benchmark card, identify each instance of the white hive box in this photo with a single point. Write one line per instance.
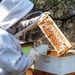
(57, 65)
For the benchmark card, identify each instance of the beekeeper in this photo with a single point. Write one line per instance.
(12, 60)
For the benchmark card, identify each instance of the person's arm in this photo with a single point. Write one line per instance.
(10, 58)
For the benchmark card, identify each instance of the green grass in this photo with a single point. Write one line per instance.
(26, 49)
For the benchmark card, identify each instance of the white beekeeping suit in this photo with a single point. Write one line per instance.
(12, 61)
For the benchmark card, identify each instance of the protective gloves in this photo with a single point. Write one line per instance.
(35, 53)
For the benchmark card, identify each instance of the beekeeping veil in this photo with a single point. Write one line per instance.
(11, 11)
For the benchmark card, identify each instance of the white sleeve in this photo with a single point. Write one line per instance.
(11, 59)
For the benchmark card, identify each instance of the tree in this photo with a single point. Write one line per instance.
(61, 10)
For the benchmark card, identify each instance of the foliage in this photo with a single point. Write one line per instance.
(60, 10)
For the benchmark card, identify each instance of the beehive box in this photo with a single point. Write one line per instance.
(54, 65)
(54, 35)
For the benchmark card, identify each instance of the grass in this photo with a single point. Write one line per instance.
(26, 49)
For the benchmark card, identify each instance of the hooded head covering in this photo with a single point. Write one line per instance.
(11, 11)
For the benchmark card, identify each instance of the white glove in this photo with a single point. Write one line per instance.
(35, 53)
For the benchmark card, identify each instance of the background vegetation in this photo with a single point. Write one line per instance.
(62, 11)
